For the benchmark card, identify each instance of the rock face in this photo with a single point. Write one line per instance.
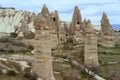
(45, 39)
(77, 27)
(107, 33)
(56, 23)
(11, 20)
(90, 55)
(76, 21)
(46, 15)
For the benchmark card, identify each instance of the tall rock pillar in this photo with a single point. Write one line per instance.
(90, 55)
(106, 33)
(42, 46)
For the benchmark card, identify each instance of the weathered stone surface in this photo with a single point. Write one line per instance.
(46, 16)
(40, 22)
(44, 41)
(76, 21)
(45, 11)
(56, 23)
(90, 55)
(12, 20)
(106, 33)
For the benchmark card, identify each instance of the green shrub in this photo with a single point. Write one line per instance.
(11, 73)
(29, 35)
(13, 35)
(29, 76)
(117, 45)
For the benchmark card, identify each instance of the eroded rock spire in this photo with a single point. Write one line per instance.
(106, 33)
(46, 15)
(90, 55)
(76, 21)
(44, 41)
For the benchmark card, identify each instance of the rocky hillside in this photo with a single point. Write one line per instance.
(12, 20)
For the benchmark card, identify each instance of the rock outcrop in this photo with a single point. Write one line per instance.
(45, 40)
(56, 23)
(12, 20)
(77, 27)
(46, 16)
(76, 21)
(90, 55)
(106, 33)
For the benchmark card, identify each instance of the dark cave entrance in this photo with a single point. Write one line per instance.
(54, 19)
(78, 23)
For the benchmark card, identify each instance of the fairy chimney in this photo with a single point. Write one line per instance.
(106, 33)
(90, 55)
(76, 21)
(43, 43)
(46, 15)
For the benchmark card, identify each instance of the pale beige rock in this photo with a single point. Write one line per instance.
(56, 23)
(106, 33)
(76, 21)
(44, 41)
(46, 15)
(90, 55)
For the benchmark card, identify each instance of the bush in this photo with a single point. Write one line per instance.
(13, 35)
(4, 39)
(11, 73)
(29, 35)
(30, 76)
(117, 45)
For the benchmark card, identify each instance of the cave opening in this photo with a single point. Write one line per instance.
(54, 19)
(78, 23)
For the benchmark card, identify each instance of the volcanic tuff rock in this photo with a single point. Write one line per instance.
(90, 55)
(46, 15)
(45, 40)
(11, 20)
(76, 21)
(106, 33)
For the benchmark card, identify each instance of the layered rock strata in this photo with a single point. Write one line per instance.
(90, 55)
(45, 39)
(106, 33)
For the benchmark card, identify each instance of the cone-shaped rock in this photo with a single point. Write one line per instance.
(46, 15)
(39, 22)
(107, 33)
(90, 55)
(76, 21)
(45, 11)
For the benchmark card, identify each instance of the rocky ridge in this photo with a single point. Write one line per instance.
(12, 20)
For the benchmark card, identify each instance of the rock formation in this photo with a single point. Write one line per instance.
(55, 23)
(44, 41)
(10, 19)
(90, 55)
(76, 21)
(107, 33)
(46, 15)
